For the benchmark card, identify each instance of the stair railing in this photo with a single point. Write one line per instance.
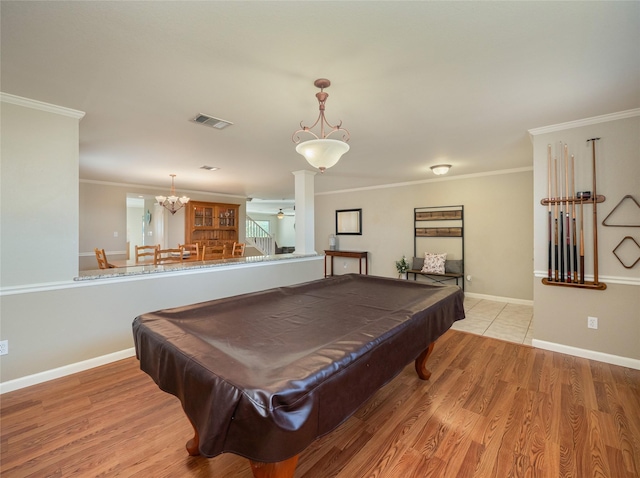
(259, 238)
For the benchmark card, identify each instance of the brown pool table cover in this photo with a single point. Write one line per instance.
(263, 375)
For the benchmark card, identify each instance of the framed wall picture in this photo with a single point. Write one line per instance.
(349, 222)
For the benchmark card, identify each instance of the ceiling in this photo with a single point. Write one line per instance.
(415, 83)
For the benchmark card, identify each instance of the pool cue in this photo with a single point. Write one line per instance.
(594, 196)
(561, 221)
(550, 276)
(582, 239)
(567, 220)
(555, 215)
(573, 215)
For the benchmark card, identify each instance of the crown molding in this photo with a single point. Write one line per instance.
(432, 180)
(156, 188)
(585, 122)
(39, 105)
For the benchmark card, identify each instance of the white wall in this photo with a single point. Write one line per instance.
(285, 231)
(560, 313)
(498, 227)
(56, 327)
(39, 193)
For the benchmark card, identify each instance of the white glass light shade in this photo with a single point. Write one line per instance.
(322, 153)
(161, 199)
(441, 169)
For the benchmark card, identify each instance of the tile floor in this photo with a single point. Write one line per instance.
(500, 320)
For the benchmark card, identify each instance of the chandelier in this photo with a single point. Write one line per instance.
(322, 152)
(172, 203)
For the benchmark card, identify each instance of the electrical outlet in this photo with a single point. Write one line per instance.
(592, 322)
(4, 347)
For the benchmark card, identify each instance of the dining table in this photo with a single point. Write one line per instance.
(132, 262)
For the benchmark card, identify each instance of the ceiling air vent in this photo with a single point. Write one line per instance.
(211, 121)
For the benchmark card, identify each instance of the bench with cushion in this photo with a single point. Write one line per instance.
(453, 270)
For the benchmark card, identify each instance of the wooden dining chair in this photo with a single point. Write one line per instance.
(146, 253)
(167, 256)
(192, 249)
(238, 249)
(101, 257)
(212, 253)
(227, 250)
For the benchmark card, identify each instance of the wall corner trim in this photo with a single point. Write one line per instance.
(39, 105)
(588, 354)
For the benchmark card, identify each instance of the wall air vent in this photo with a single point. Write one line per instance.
(211, 121)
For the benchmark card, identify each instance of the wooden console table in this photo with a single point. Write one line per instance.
(356, 254)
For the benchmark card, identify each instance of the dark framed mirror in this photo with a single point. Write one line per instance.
(349, 222)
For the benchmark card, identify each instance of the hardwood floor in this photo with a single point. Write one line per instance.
(491, 409)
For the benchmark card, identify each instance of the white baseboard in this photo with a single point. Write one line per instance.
(59, 372)
(499, 299)
(588, 354)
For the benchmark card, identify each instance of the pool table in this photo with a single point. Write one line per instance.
(263, 375)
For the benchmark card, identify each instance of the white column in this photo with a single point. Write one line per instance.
(305, 230)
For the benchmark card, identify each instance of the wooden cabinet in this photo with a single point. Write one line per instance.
(209, 223)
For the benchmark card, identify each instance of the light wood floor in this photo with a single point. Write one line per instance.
(491, 409)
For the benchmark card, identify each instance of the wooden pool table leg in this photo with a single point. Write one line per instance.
(194, 444)
(421, 363)
(280, 469)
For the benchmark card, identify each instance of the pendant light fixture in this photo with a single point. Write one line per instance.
(172, 203)
(322, 152)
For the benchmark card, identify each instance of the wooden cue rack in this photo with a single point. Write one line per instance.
(593, 200)
(595, 284)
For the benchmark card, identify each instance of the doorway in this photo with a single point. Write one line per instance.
(140, 226)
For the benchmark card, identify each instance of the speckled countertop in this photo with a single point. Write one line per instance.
(151, 269)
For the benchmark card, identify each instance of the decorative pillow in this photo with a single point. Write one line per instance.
(434, 263)
(454, 267)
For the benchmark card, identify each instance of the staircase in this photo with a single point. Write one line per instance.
(257, 237)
